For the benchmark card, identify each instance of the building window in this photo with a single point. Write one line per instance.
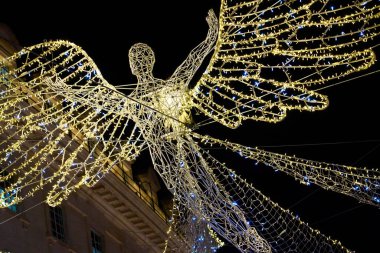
(96, 243)
(7, 197)
(3, 76)
(56, 219)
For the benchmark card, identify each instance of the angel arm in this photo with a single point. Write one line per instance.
(187, 69)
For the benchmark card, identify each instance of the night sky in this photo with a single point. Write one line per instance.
(106, 33)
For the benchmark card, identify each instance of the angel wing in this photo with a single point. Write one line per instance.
(270, 54)
(62, 125)
(360, 183)
(232, 207)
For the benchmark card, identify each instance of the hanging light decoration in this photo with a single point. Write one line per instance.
(63, 125)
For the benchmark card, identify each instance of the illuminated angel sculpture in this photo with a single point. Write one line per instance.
(64, 126)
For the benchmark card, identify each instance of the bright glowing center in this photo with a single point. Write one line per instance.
(174, 102)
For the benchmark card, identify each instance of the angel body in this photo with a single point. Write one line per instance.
(57, 91)
(166, 129)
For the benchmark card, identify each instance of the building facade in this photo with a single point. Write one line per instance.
(117, 215)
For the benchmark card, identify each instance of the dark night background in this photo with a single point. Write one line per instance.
(172, 29)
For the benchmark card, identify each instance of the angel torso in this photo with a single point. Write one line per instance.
(167, 101)
(174, 101)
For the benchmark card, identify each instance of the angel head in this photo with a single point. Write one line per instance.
(141, 60)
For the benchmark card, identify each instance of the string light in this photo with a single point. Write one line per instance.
(63, 125)
(191, 232)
